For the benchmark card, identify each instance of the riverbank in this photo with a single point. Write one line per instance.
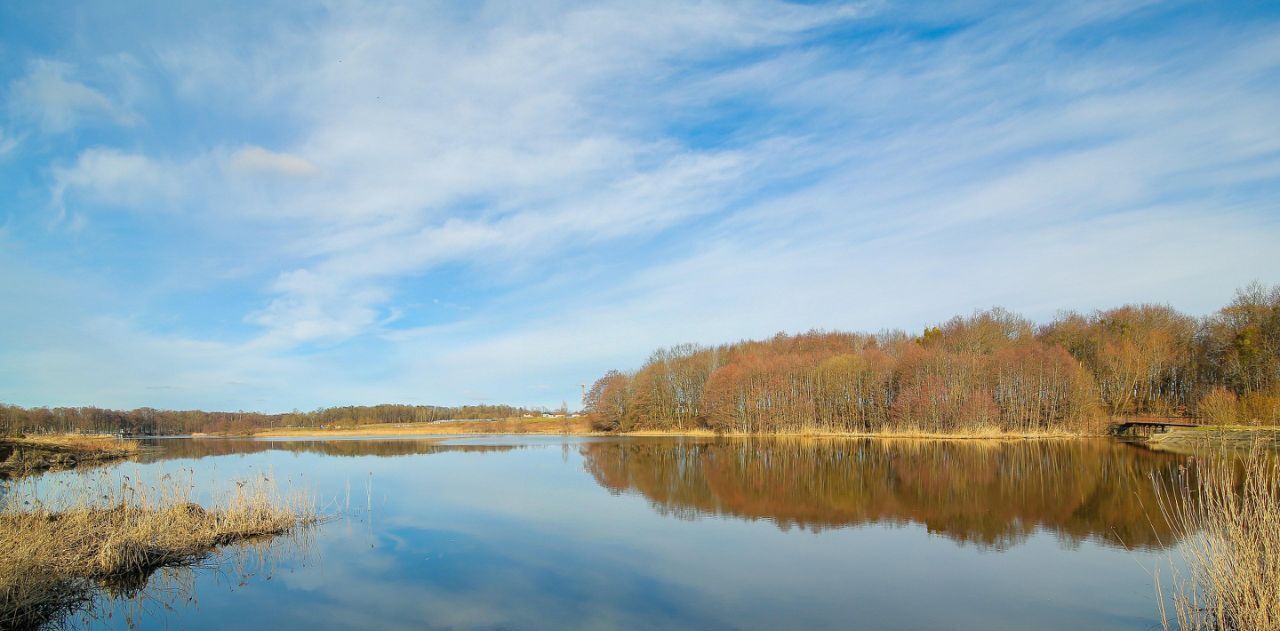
(1178, 437)
(56, 557)
(981, 433)
(23, 456)
(581, 427)
(1230, 436)
(575, 426)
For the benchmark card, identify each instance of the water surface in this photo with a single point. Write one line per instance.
(550, 532)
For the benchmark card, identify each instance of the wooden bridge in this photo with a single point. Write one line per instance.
(1145, 428)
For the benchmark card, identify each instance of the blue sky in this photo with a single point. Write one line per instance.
(260, 206)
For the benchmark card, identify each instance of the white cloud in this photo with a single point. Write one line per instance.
(782, 181)
(415, 121)
(49, 97)
(252, 159)
(7, 143)
(128, 180)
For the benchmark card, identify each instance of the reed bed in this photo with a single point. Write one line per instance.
(1229, 519)
(969, 433)
(57, 555)
(544, 425)
(80, 443)
(27, 455)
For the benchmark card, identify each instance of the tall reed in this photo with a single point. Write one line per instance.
(55, 554)
(1228, 517)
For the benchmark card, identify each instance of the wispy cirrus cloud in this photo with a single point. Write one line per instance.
(50, 97)
(8, 142)
(114, 178)
(394, 202)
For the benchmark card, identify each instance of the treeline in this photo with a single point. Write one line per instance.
(994, 369)
(149, 421)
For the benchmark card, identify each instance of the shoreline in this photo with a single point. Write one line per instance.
(25, 456)
(578, 427)
(1192, 439)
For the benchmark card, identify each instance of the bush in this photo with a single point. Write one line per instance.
(1219, 407)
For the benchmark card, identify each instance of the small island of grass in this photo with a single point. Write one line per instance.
(29, 454)
(57, 557)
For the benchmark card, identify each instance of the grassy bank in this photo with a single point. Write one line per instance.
(20, 456)
(980, 433)
(501, 426)
(1229, 519)
(580, 427)
(1191, 440)
(57, 557)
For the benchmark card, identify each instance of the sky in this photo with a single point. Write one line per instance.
(274, 206)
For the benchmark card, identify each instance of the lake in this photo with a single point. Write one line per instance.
(507, 532)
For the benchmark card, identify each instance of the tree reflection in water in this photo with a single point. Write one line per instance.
(992, 494)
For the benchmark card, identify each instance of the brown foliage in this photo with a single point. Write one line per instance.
(1219, 407)
(989, 370)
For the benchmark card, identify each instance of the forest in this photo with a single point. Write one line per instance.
(991, 370)
(149, 421)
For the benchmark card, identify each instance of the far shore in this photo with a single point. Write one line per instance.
(580, 427)
(60, 451)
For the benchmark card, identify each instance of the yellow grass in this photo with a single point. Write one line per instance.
(89, 444)
(662, 432)
(56, 556)
(1210, 429)
(1229, 519)
(22, 456)
(982, 433)
(542, 425)
(581, 427)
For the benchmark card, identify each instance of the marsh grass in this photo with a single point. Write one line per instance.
(1228, 516)
(581, 426)
(27, 455)
(543, 425)
(79, 443)
(972, 433)
(58, 555)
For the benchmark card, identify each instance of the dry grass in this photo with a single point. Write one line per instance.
(55, 556)
(968, 433)
(979, 433)
(542, 425)
(1212, 429)
(22, 456)
(581, 427)
(664, 432)
(1229, 519)
(78, 443)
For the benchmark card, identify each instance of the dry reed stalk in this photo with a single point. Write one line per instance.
(56, 555)
(1228, 517)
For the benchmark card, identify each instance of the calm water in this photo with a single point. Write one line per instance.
(550, 532)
